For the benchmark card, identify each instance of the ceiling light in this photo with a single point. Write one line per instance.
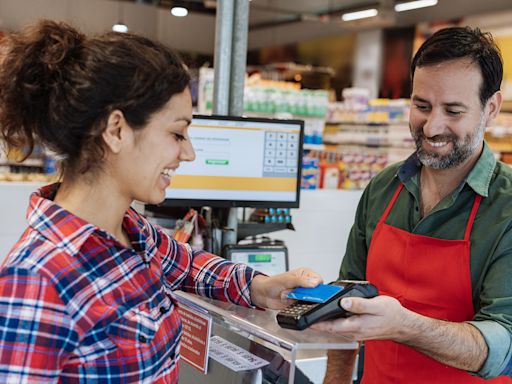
(120, 27)
(179, 11)
(359, 14)
(407, 6)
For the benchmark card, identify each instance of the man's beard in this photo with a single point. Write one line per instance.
(462, 149)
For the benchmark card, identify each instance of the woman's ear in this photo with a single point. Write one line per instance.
(117, 131)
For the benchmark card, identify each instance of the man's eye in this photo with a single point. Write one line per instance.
(421, 107)
(453, 113)
(179, 137)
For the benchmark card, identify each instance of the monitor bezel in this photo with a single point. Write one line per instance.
(177, 202)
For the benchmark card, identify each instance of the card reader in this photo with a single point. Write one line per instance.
(302, 313)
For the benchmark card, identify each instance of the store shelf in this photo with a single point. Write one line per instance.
(26, 163)
(500, 146)
(381, 135)
(506, 106)
(368, 123)
(314, 147)
(246, 229)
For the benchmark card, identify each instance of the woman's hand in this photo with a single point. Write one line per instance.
(270, 292)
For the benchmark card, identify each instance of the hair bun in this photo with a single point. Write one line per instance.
(53, 45)
(39, 67)
(44, 53)
(59, 43)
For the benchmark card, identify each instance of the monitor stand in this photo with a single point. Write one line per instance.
(229, 233)
(223, 226)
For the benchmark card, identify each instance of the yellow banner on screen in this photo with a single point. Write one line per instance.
(244, 128)
(234, 183)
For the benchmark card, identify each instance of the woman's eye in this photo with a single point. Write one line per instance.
(179, 137)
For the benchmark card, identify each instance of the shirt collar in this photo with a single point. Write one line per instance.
(58, 225)
(68, 231)
(479, 178)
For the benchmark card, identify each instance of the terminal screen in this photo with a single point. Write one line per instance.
(241, 162)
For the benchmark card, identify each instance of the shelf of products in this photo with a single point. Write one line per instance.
(361, 137)
(506, 106)
(38, 167)
(274, 99)
(357, 107)
(346, 166)
(499, 137)
(368, 134)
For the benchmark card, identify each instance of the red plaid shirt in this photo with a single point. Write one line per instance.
(77, 306)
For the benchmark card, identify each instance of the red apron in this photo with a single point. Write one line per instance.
(429, 276)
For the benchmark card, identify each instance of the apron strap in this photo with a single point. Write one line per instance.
(469, 225)
(391, 203)
(472, 215)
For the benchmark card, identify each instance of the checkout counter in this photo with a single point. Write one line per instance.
(247, 346)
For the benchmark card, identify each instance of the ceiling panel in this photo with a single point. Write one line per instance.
(265, 12)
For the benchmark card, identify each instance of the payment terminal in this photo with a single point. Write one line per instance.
(322, 302)
(270, 259)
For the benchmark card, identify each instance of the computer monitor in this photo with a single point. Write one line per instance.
(240, 162)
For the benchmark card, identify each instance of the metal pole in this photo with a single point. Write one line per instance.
(230, 62)
(239, 57)
(222, 60)
(236, 88)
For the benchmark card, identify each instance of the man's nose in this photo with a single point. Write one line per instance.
(435, 124)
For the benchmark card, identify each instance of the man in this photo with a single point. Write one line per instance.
(434, 234)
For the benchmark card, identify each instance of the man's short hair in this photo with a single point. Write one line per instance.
(464, 42)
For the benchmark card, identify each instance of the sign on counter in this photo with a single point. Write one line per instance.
(195, 338)
(234, 357)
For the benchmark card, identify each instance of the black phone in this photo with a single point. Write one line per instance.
(302, 314)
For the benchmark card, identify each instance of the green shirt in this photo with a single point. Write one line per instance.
(491, 239)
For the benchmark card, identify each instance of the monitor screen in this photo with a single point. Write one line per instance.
(240, 162)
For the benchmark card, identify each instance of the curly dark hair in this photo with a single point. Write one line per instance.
(58, 88)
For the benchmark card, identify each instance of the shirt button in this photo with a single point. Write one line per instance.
(142, 339)
(417, 209)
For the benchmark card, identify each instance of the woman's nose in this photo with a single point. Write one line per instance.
(187, 151)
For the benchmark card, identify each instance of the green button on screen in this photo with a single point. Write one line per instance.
(217, 162)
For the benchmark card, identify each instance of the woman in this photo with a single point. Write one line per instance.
(86, 293)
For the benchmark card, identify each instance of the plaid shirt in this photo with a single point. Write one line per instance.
(76, 306)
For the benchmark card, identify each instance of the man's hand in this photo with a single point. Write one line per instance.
(380, 318)
(270, 292)
(459, 345)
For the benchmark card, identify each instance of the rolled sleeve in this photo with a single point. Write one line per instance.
(215, 277)
(499, 343)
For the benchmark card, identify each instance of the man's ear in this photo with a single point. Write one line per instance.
(117, 131)
(493, 107)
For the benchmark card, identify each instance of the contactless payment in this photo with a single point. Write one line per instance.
(322, 303)
(319, 294)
